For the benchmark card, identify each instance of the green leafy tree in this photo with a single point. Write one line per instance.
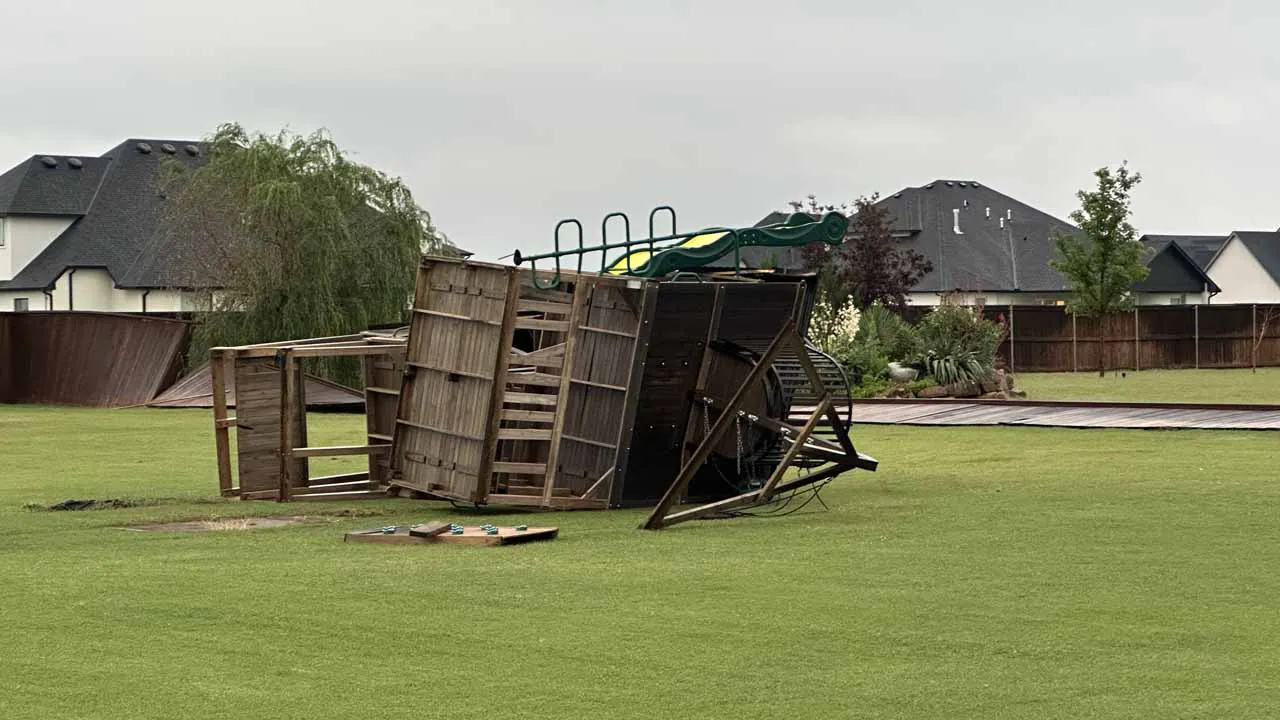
(1103, 265)
(300, 240)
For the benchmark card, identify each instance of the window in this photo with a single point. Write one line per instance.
(2, 230)
(1178, 300)
(20, 304)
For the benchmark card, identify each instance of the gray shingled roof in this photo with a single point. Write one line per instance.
(119, 229)
(51, 185)
(989, 256)
(1171, 269)
(1200, 248)
(1265, 246)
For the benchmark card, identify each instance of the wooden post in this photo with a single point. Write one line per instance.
(797, 444)
(1075, 351)
(287, 390)
(717, 309)
(722, 424)
(489, 447)
(221, 429)
(1253, 339)
(1136, 347)
(1013, 350)
(1196, 333)
(583, 293)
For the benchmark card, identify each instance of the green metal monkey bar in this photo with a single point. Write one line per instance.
(661, 255)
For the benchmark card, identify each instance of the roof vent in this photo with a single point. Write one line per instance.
(192, 150)
(1008, 214)
(950, 184)
(929, 186)
(898, 195)
(1001, 223)
(988, 213)
(955, 213)
(49, 162)
(966, 203)
(75, 163)
(168, 148)
(144, 148)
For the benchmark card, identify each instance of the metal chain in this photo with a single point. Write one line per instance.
(739, 426)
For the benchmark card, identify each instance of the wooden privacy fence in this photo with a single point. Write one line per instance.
(1049, 339)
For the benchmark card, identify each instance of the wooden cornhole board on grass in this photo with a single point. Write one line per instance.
(470, 536)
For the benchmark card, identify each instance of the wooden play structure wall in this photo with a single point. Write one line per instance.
(87, 358)
(593, 411)
(272, 453)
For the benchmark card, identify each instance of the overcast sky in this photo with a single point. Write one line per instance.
(504, 117)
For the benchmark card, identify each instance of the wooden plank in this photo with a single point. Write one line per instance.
(525, 323)
(337, 450)
(656, 519)
(585, 441)
(545, 306)
(582, 293)
(520, 398)
(431, 529)
(221, 433)
(527, 416)
(439, 431)
(602, 386)
(555, 503)
(489, 451)
(518, 468)
(288, 387)
(534, 378)
(551, 356)
(446, 371)
(766, 492)
(381, 390)
(455, 316)
(528, 292)
(606, 331)
(524, 433)
(352, 351)
(469, 536)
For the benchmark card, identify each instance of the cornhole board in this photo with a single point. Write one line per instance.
(469, 536)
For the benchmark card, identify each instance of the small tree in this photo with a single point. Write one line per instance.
(301, 241)
(1102, 266)
(869, 266)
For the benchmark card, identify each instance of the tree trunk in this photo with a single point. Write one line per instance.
(1102, 346)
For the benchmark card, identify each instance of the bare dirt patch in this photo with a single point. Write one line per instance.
(222, 524)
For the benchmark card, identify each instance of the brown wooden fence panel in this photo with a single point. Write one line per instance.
(88, 358)
(1047, 339)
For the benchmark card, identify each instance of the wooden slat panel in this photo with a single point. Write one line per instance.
(534, 378)
(556, 308)
(524, 434)
(535, 324)
(516, 468)
(527, 415)
(520, 398)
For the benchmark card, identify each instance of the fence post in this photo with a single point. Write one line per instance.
(1253, 338)
(1136, 347)
(1075, 353)
(1197, 334)
(1012, 348)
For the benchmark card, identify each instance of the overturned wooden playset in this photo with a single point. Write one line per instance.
(558, 389)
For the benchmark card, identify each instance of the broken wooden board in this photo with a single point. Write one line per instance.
(472, 535)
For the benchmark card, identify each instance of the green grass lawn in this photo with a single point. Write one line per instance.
(1192, 386)
(982, 573)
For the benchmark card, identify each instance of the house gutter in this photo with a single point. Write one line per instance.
(71, 289)
(48, 299)
(145, 293)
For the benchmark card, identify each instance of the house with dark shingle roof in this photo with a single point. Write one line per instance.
(987, 247)
(1247, 266)
(83, 233)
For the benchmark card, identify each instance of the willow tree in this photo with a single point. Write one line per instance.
(299, 240)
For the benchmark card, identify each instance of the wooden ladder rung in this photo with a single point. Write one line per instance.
(534, 378)
(606, 331)
(527, 415)
(546, 306)
(524, 433)
(382, 390)
(518, 468)
(519, 398)
(535, 324)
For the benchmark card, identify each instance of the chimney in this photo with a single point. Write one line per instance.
(955, 213)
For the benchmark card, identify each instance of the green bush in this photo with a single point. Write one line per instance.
(894, 336)
(957, 345)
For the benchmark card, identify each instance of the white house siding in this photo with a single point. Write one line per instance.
(94, 289)
(27, 237)
(1241, 278)
(1154, 298)
(6, 252)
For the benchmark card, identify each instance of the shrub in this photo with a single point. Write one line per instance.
(885, 328)
(957, 345)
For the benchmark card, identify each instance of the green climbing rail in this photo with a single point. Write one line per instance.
(662, 255)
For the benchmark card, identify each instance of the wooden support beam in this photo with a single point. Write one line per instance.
(582, 295)
(336, 351)
(524, 433)
(837, 423)
(221, 423)
(520, 398)
(695, 461)
(525, 323)
(288, 389)
(519, 468)
(497, 393)
(552, 356)
(766, 492)
(337, 450)
(546, 306)
(527, 416)
(533, 378)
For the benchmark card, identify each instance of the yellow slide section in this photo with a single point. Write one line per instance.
(639, 257)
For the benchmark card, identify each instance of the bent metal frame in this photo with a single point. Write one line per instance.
(840, 456)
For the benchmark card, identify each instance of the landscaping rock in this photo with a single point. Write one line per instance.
(898, 391)
(1018, 394)
(994, 396)
(965, 390)
(937, 391)
(990, 385)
